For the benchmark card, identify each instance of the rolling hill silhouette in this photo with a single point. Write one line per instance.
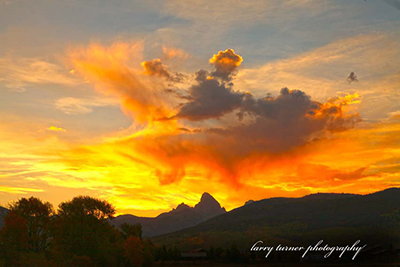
(316, 216)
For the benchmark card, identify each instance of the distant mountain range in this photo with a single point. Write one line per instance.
(179, 218)
(336, 217)
(333, 217)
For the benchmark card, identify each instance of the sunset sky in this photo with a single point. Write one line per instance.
(148, 104)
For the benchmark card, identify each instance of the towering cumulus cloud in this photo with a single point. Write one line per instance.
(212, 96)
(225, 63)
(257, 128)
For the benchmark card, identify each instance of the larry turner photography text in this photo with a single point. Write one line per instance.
(148, 133)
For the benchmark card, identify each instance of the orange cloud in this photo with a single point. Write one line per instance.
(190, 163)
(218, 140)
(225, 63)
(155, 67)
(266, 127)
(125, 170)
(108, 70)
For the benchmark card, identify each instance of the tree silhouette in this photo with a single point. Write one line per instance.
(133, 251)
(37, 215)
(26, 230)
(81, 230)
(129, 230)
(13, 239)
(86, 207)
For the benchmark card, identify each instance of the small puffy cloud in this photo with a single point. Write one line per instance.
(155, 67)
(56, 129)
(225, 63)
(352, 78)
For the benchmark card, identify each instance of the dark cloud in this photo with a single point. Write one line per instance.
(272, 123)
(352, 78)
(266, 127)
(178, 93)
(156, 68)
(288, 105)
(287, 120)
(184, 129)
(210, 98)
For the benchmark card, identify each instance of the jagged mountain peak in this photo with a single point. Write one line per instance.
(181, 217)
(181, 207)
(206, 197)
(208, 206)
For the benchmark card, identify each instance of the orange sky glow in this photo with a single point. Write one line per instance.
(149, 130)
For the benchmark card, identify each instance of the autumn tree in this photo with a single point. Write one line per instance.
(37, 215)
(134, 250)
(26, 229)
(129, 230)
(82, 230)
(137, 252)
(13, 239)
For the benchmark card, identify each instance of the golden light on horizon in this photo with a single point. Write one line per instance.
(160, 133)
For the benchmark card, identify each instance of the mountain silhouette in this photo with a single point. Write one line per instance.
(208, 207)
(334, 216)
(183, 216)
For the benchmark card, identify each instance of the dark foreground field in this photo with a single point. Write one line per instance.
(266, 264)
